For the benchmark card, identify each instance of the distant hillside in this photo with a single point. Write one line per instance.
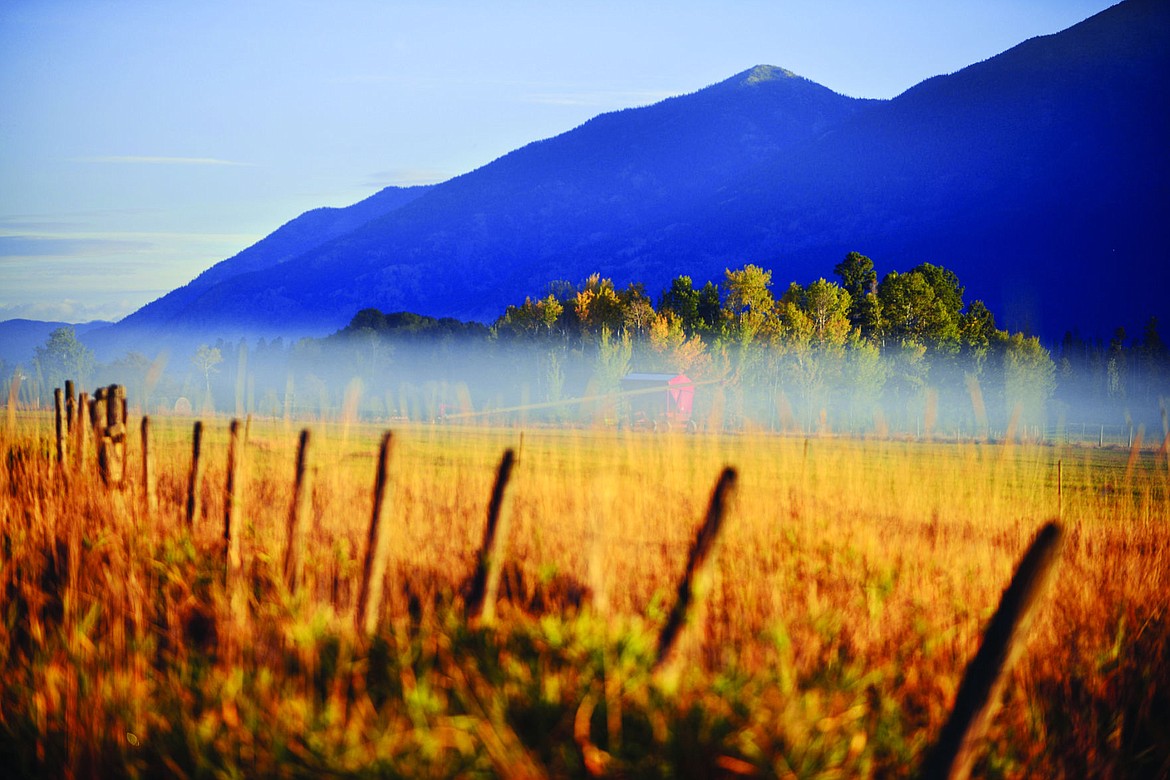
(308, 231)
(19, 339)
(1040, 176)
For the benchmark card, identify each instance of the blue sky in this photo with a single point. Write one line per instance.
(143, 141)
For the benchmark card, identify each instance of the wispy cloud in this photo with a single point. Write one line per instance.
(407, 177)
(40, 246)
(41, 276)
(54, 241)
(152, 160)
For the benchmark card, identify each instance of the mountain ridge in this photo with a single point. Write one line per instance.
(999, 170)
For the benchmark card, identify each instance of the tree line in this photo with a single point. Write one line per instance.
(863, 352)
(857, 347)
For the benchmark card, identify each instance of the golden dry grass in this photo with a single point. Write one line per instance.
(851, 585)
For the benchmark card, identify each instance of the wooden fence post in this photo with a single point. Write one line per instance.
(81, 432)
(485, 586)
(302, 500)
(695, 581)
(70, 405)
(116, 433)
(59, 424)
(149, 478)
(233, 579)
(231, 500)
(195, 476)
(110, 432)
(954, 754)
(97, 421)
(377, 551)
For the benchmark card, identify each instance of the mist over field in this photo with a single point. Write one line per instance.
(390, 368)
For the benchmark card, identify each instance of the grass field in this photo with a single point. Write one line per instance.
(850, 588)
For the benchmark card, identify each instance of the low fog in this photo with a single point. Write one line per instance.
(405, 368)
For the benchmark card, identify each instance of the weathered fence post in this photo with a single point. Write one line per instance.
(97, 421)
(485, 585)
(195, 476)
(954, 754)
(70, 405)
(231, 500)
(377, 551)
(149, 478)
(302, 500)
(59, 420)
(692, 590)
(110, 431)
(81, 431)
(233, 580)
(116, 433)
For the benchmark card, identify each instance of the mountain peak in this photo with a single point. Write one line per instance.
(761, 73)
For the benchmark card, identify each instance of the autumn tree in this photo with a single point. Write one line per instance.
(748, 304)
(532, 317)
(919, 307)
(598, 306)
(670, 349)
(827, 306)
(815, 324)
(637, 311)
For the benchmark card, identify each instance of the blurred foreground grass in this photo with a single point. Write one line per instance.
(852, 583)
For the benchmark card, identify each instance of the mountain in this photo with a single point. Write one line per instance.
(1040, 176)
(308, 231)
